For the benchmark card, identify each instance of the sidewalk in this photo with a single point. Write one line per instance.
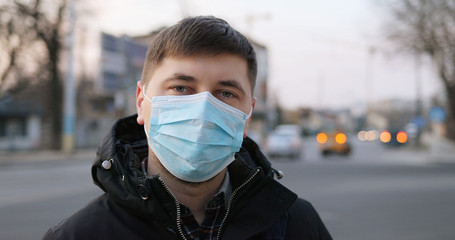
(38, 156)
(440, 150)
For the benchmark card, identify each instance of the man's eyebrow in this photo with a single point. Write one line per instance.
(227, 83)
(232, 83)
(180, 76)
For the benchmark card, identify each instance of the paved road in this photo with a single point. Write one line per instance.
(374, 194)
(377, 201)
(34, 197)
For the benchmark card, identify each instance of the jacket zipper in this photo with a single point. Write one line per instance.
(230, 201)
(177, 205)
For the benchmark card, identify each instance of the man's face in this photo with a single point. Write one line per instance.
(225, 76)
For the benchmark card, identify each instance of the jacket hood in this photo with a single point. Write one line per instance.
(123, 150)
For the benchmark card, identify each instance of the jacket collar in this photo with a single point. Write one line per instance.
(126, 145)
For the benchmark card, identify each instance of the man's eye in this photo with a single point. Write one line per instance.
(180, 89)
(227, 94)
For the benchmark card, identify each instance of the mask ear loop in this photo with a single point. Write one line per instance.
(251, 110)
(249, 115)
(146, 133)
(145, 95)
(150, 100)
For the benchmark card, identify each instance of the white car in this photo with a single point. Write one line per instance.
(284, 142)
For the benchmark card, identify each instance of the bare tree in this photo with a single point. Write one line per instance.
(428, 27)
(24, 27)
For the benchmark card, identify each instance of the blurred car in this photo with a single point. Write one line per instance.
(394, 138)
(285, 142)
(413, 132)
(333, 142)
(291, 128)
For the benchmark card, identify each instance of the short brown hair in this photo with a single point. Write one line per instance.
(203, 34)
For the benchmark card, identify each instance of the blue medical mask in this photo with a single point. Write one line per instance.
(194, 136)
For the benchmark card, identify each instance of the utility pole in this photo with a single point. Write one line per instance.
(69, 104)
(369, 76)
(369, 83)
(418, 83)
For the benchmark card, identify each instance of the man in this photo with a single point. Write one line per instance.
(183, 167)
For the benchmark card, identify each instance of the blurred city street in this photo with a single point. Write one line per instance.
(375, 193)
(359, 94)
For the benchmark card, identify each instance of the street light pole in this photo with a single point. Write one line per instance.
(369, 90)
(69, 104)
(418, 85)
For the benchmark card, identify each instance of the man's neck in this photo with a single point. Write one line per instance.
(195, 196)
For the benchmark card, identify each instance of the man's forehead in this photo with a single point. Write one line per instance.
(229, 65)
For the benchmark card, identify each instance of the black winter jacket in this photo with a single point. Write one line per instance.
(135, 206)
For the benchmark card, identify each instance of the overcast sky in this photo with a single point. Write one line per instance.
(319, 51)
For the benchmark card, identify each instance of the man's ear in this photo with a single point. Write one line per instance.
(247, 123)
(139, 102)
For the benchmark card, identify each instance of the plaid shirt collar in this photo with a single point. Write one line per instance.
(214, 213)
